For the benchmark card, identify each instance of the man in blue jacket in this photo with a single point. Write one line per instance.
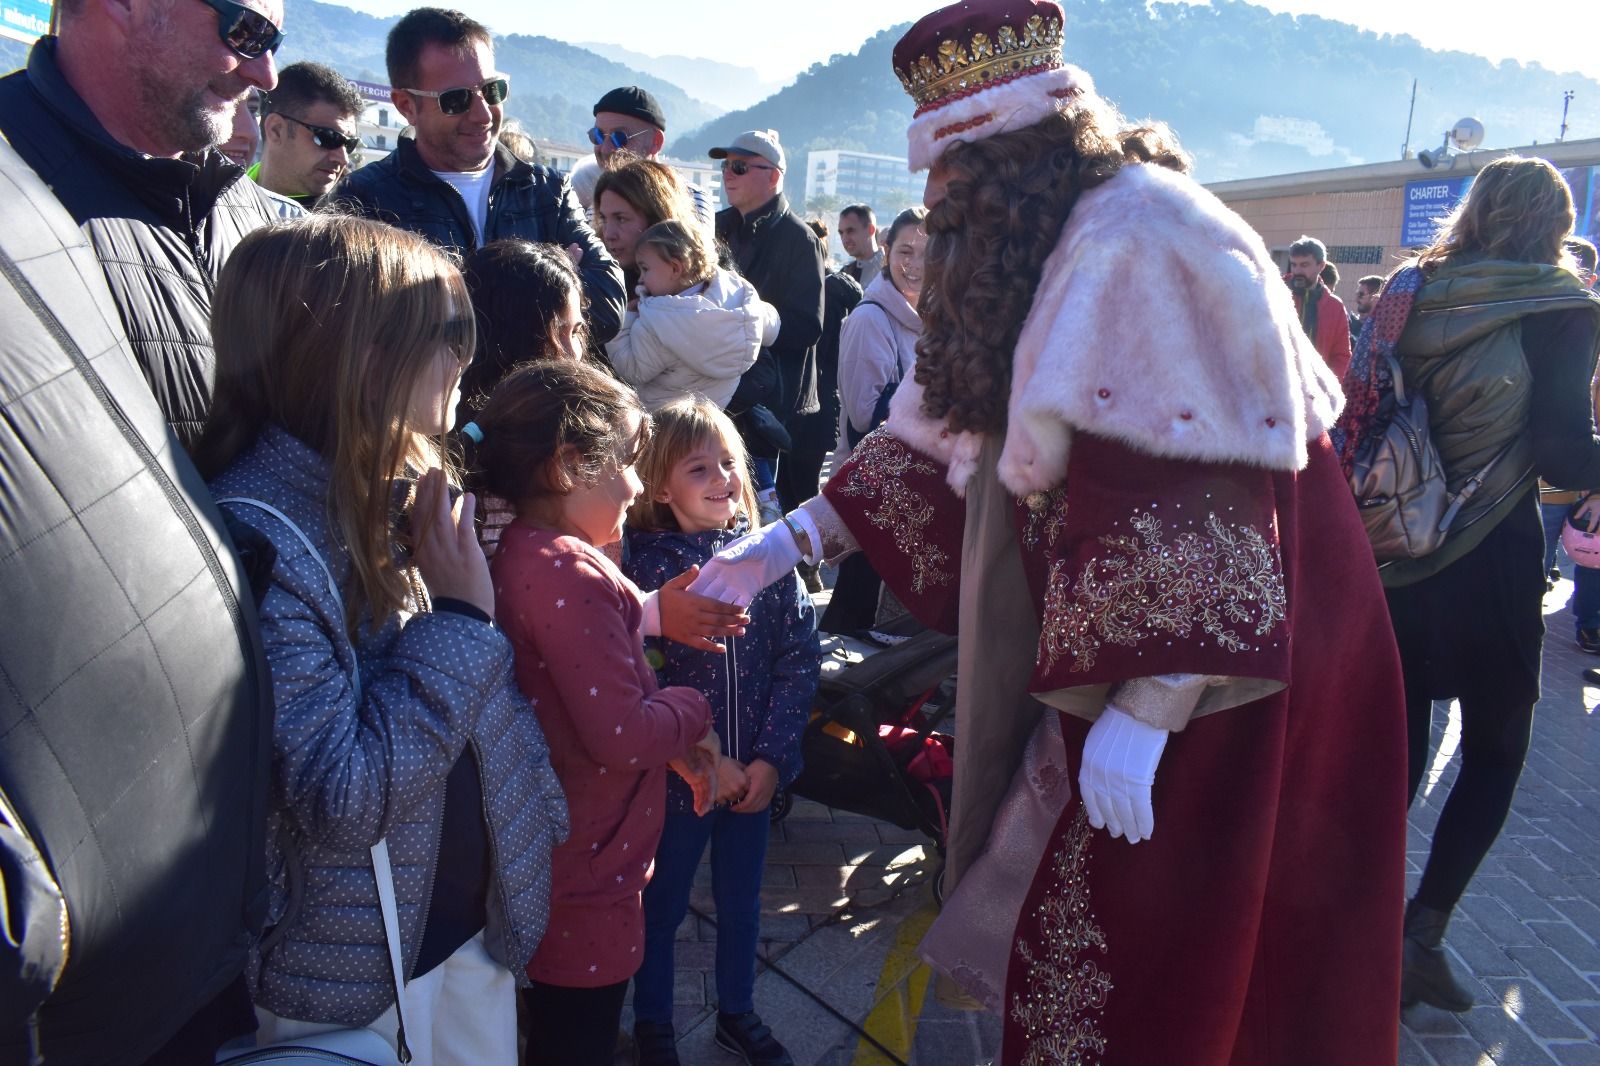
(450, 179)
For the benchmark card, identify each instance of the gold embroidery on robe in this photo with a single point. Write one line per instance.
(878, 469)
(1144, 589)
(1063, 993)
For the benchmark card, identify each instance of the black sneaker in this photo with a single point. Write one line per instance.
(1589, 640)
(654, 1044)
(747, 1035)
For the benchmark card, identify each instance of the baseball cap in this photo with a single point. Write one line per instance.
(763, 143)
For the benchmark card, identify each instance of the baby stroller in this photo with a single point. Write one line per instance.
(873, 746)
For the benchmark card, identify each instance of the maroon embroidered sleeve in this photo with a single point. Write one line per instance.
(1160, 566)
(906, 518)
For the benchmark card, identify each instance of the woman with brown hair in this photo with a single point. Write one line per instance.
(1499, 335)
(1128, 508)
(629, 199)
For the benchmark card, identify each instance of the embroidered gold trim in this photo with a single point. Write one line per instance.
(1063, 995)
(961, 68)
(1144, 588)
(878, 468)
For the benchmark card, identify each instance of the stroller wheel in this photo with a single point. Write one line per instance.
(781, 804)
(938, 886)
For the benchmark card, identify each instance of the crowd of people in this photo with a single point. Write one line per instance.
(412, 562)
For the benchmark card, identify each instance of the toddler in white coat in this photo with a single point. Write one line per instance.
(697, 327)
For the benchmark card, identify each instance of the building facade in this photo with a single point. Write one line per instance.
(1371, 217)
(837, 176)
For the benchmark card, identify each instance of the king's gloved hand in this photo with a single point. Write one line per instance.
(1119, 767)
(737, 573)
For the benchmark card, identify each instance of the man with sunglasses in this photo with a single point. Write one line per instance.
(308, 133)
(119, 113)
(450, 180)
(629, 120)
(783, 259)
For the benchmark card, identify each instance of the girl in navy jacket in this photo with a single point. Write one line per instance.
(697, 498)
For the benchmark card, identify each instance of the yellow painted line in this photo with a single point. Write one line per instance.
(902, 987)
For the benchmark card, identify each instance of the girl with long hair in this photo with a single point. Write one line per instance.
(340, 344)
(1499, 334)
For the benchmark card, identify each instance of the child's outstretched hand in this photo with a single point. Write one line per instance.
(446, 546)
(698, 767)
(695, 620)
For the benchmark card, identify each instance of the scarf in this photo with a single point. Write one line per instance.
(1369, 383)
(1308, 310)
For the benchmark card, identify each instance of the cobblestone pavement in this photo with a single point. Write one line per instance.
(846, 899)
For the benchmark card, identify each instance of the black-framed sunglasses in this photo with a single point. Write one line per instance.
(245, 30)
(325, 137)
(616, 138)
(740, 167)
(457, 101)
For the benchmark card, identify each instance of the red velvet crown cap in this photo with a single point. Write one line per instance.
(982, 67)
(975, 43)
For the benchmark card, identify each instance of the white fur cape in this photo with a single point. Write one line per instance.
(1159, 321)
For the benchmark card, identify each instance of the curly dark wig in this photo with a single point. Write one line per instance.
(1005, 203)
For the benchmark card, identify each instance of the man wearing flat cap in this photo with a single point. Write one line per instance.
(1168, 612)
(783, 259)
(630, 120)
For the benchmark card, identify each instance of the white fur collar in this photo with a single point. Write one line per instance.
(1159, 321)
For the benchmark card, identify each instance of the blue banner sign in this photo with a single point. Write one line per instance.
(1425, 203)
(24, 20)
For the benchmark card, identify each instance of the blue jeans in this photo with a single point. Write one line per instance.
(765, 473)
(1554, 516)
(738, 853)
(1586, 597)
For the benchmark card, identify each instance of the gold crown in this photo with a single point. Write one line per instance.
(960, 69)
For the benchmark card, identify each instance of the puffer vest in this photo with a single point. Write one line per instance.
(1463, 348)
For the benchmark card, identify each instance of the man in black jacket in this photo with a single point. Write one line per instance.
(450, 180)
(117, 115)
(136, 714)
(783, 259)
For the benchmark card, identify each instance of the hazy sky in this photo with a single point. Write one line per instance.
(1563, 35)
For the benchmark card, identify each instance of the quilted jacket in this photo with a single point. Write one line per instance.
(364, 738)
(134, 717)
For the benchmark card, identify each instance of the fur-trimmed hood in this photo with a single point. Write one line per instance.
(1159, 321)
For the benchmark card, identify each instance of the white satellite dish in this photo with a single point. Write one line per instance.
(1467, 134)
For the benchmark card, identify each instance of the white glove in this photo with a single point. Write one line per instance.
(1119, 767)
(737, 573)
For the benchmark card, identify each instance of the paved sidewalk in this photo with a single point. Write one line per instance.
(847, 898)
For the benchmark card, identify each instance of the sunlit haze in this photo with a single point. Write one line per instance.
(1558, 34)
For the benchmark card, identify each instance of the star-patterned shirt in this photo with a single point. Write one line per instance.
(574, 620)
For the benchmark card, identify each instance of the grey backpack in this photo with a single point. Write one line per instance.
(1400, 484)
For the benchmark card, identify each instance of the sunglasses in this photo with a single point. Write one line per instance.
(325, 138)
(741, 168)
(616, 138)
(248, 32)
(456, 101)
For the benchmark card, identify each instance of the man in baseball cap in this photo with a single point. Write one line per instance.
(783, 259)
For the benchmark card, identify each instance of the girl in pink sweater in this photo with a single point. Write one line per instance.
(558, 440)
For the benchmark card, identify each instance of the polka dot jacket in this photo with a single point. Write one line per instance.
(574, 622)
(359, 756)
